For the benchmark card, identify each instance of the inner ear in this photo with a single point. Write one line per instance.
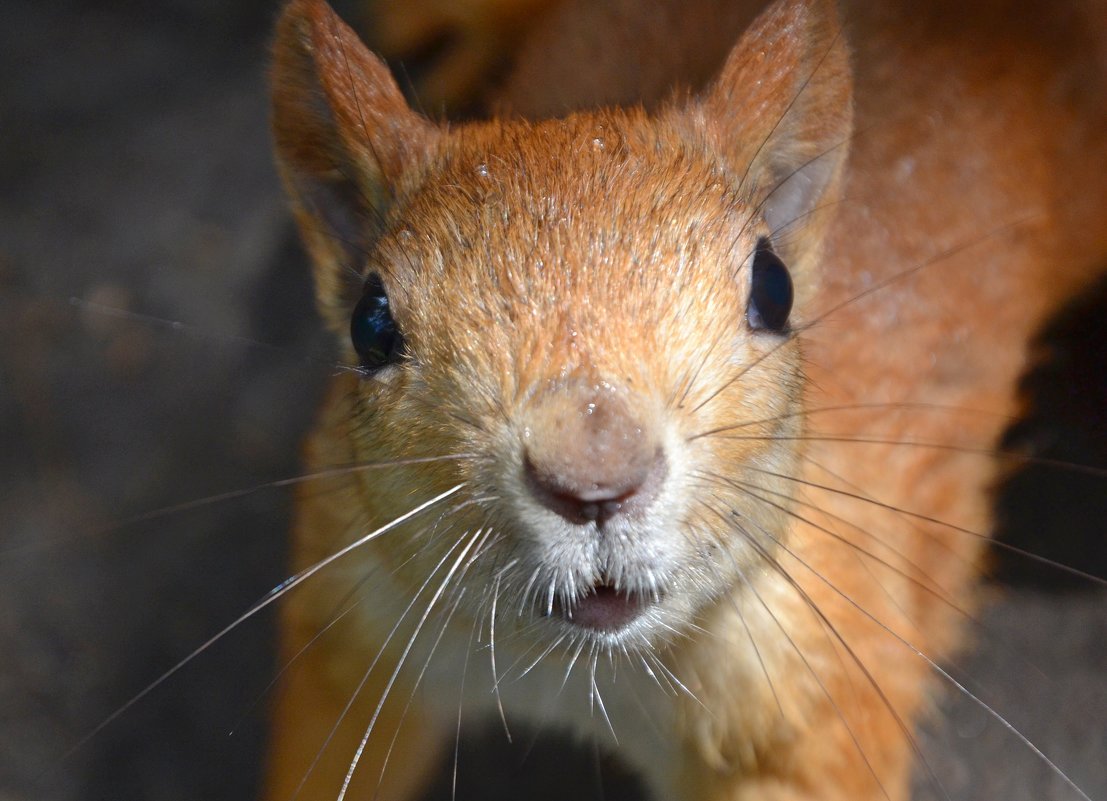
(779, 116)
(347, 144)
(793, 194)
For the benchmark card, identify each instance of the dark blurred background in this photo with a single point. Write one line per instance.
(135, 175)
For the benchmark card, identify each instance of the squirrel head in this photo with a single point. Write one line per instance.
(601, 312)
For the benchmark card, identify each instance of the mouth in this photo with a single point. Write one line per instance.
(604, 609)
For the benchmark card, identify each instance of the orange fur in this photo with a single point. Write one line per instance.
(539, 265)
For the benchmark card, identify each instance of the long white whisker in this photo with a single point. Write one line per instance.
(934, 591)
(415, 688)
(572, 662)
(477, 551)
(399, 666)
(460, 707)
(803, 657)
(225, 497)
(492, 651)
(557, 641)
(1054, 768)
(749, 635)
(944, 524)
(335, 620)
(372, 665)
(265, 601)
(678, 684)
(197, 332)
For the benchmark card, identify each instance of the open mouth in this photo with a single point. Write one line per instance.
(605, 609)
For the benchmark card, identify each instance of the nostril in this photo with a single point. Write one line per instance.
(581, 497)
(590, 454)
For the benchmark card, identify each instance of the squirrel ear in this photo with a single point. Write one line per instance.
(345, 141)
(780, 115)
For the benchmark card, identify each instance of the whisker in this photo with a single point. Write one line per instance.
(434, 647)
(1054, 768)
(853, 407)
(196, 332)
(950, 526)
(292, 660)
(867, 292)
(753, 642)
(492, 650)
(920, 530)
(265, 601)
(831, 628)
(372, 665)
(649, 672)
(531, 586)
(859, 552)
(677, 684)
(691, 376)
(553, 646)
(415, 689)
(399, 666)
(895, 278)
(791, 104)
(934, 592)
(572, 662)
(233, 495)
(595, 694)
(460, 707)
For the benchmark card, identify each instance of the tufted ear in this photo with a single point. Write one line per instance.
(780, 116)
(347, 143)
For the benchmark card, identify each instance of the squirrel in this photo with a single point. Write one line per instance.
(672, 383)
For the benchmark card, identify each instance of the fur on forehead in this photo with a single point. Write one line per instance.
(613, 204)
(602, 246)
(590, 188)
(361, 166)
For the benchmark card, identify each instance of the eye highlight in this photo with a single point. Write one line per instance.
(771, 292)
(373, 332)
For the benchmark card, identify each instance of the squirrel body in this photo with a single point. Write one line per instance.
(666, 521)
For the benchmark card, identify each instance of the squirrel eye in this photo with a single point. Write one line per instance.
(770, 291)
(373, 332)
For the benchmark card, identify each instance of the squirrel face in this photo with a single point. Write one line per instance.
(581, 327)
(592, 312)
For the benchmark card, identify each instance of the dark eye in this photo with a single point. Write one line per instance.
(373, 331)
(770, 292)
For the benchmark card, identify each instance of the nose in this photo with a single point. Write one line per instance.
(589, 458)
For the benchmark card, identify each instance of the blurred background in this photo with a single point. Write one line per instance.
(158, 345)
